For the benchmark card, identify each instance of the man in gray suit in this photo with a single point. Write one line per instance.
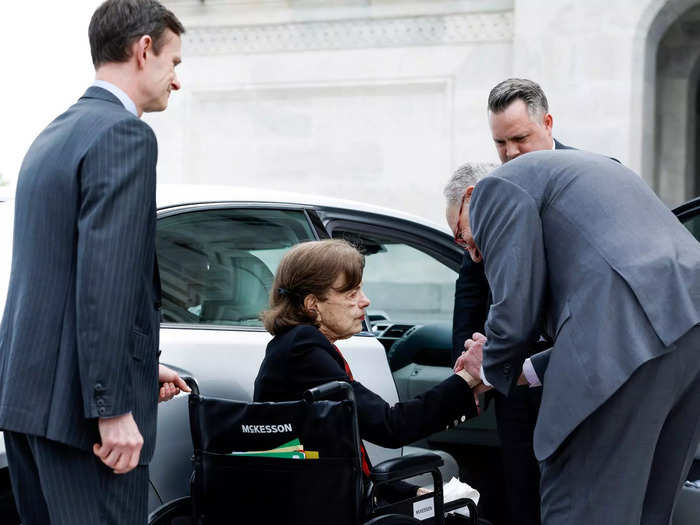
(520, 122)
(79, 369)
(578, 247)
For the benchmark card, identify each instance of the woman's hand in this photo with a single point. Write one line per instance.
(471, 380)
(477, 386)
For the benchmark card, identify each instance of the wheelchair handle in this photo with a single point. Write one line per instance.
(192, 383)
(329, 389)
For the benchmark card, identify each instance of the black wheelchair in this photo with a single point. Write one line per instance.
(324, 486)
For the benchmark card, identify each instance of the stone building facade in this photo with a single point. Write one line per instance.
(379, 100)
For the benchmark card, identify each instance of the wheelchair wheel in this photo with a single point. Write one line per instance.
(175, 512)
(392, 519)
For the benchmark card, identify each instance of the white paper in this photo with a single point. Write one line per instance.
(455, 489)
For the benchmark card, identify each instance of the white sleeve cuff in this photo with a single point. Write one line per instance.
(483, 377)
(530, 374)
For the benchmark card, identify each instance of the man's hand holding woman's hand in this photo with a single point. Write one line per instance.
(469, 364)
(472, 357)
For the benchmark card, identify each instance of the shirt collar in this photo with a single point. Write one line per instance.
(117, 92)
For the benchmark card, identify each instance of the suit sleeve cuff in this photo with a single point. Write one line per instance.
(483, 377)
(530, 374)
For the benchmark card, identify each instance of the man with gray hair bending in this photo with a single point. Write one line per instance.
(578, 247)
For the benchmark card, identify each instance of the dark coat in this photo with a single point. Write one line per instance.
(79, 336)
(302, 358)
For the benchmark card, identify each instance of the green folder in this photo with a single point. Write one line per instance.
(285, 455)
(291, 450)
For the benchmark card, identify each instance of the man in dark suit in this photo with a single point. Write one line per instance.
(79, 373)
(578, 247)
(520, 122)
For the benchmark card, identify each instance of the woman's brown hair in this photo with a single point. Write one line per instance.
(310, 268)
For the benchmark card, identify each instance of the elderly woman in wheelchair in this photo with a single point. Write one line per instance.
(316, 300)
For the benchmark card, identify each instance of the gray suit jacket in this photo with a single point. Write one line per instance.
(79, 336)
(601, 265)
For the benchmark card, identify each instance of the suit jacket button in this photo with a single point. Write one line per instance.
(99, 387)
(100, 402)
(101, 410)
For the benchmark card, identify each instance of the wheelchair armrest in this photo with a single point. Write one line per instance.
(192, 383)
(405, 467)
(462, 502)
(329, 389)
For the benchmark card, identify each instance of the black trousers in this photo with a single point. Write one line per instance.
(516, 417)
(58, 484)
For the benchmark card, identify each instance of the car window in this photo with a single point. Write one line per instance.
(217, 266)
(693, 224)
(412, 299)
(404, 284)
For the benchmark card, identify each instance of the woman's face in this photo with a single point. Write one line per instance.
(341, 313)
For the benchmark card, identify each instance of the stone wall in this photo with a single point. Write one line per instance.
(379, 100)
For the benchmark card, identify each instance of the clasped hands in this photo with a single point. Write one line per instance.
(121, 440)
(470, 362)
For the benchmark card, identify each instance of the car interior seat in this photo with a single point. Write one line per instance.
(238, 291)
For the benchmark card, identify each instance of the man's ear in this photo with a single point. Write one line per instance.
(548, 121)
(141, 48)
(468, 192)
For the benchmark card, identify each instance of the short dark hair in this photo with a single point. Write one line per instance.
(117, 24)
(310, 268)
(512, 89)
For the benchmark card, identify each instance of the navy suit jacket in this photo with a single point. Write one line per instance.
(302, 358)
(79, 336)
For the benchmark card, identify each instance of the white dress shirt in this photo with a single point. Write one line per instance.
(117, 92)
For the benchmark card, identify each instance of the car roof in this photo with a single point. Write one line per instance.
(173, 195)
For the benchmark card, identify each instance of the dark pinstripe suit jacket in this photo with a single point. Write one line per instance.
(79, 336)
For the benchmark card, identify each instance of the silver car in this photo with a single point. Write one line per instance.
(218, 250)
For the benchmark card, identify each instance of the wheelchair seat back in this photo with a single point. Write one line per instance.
(229, 487)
